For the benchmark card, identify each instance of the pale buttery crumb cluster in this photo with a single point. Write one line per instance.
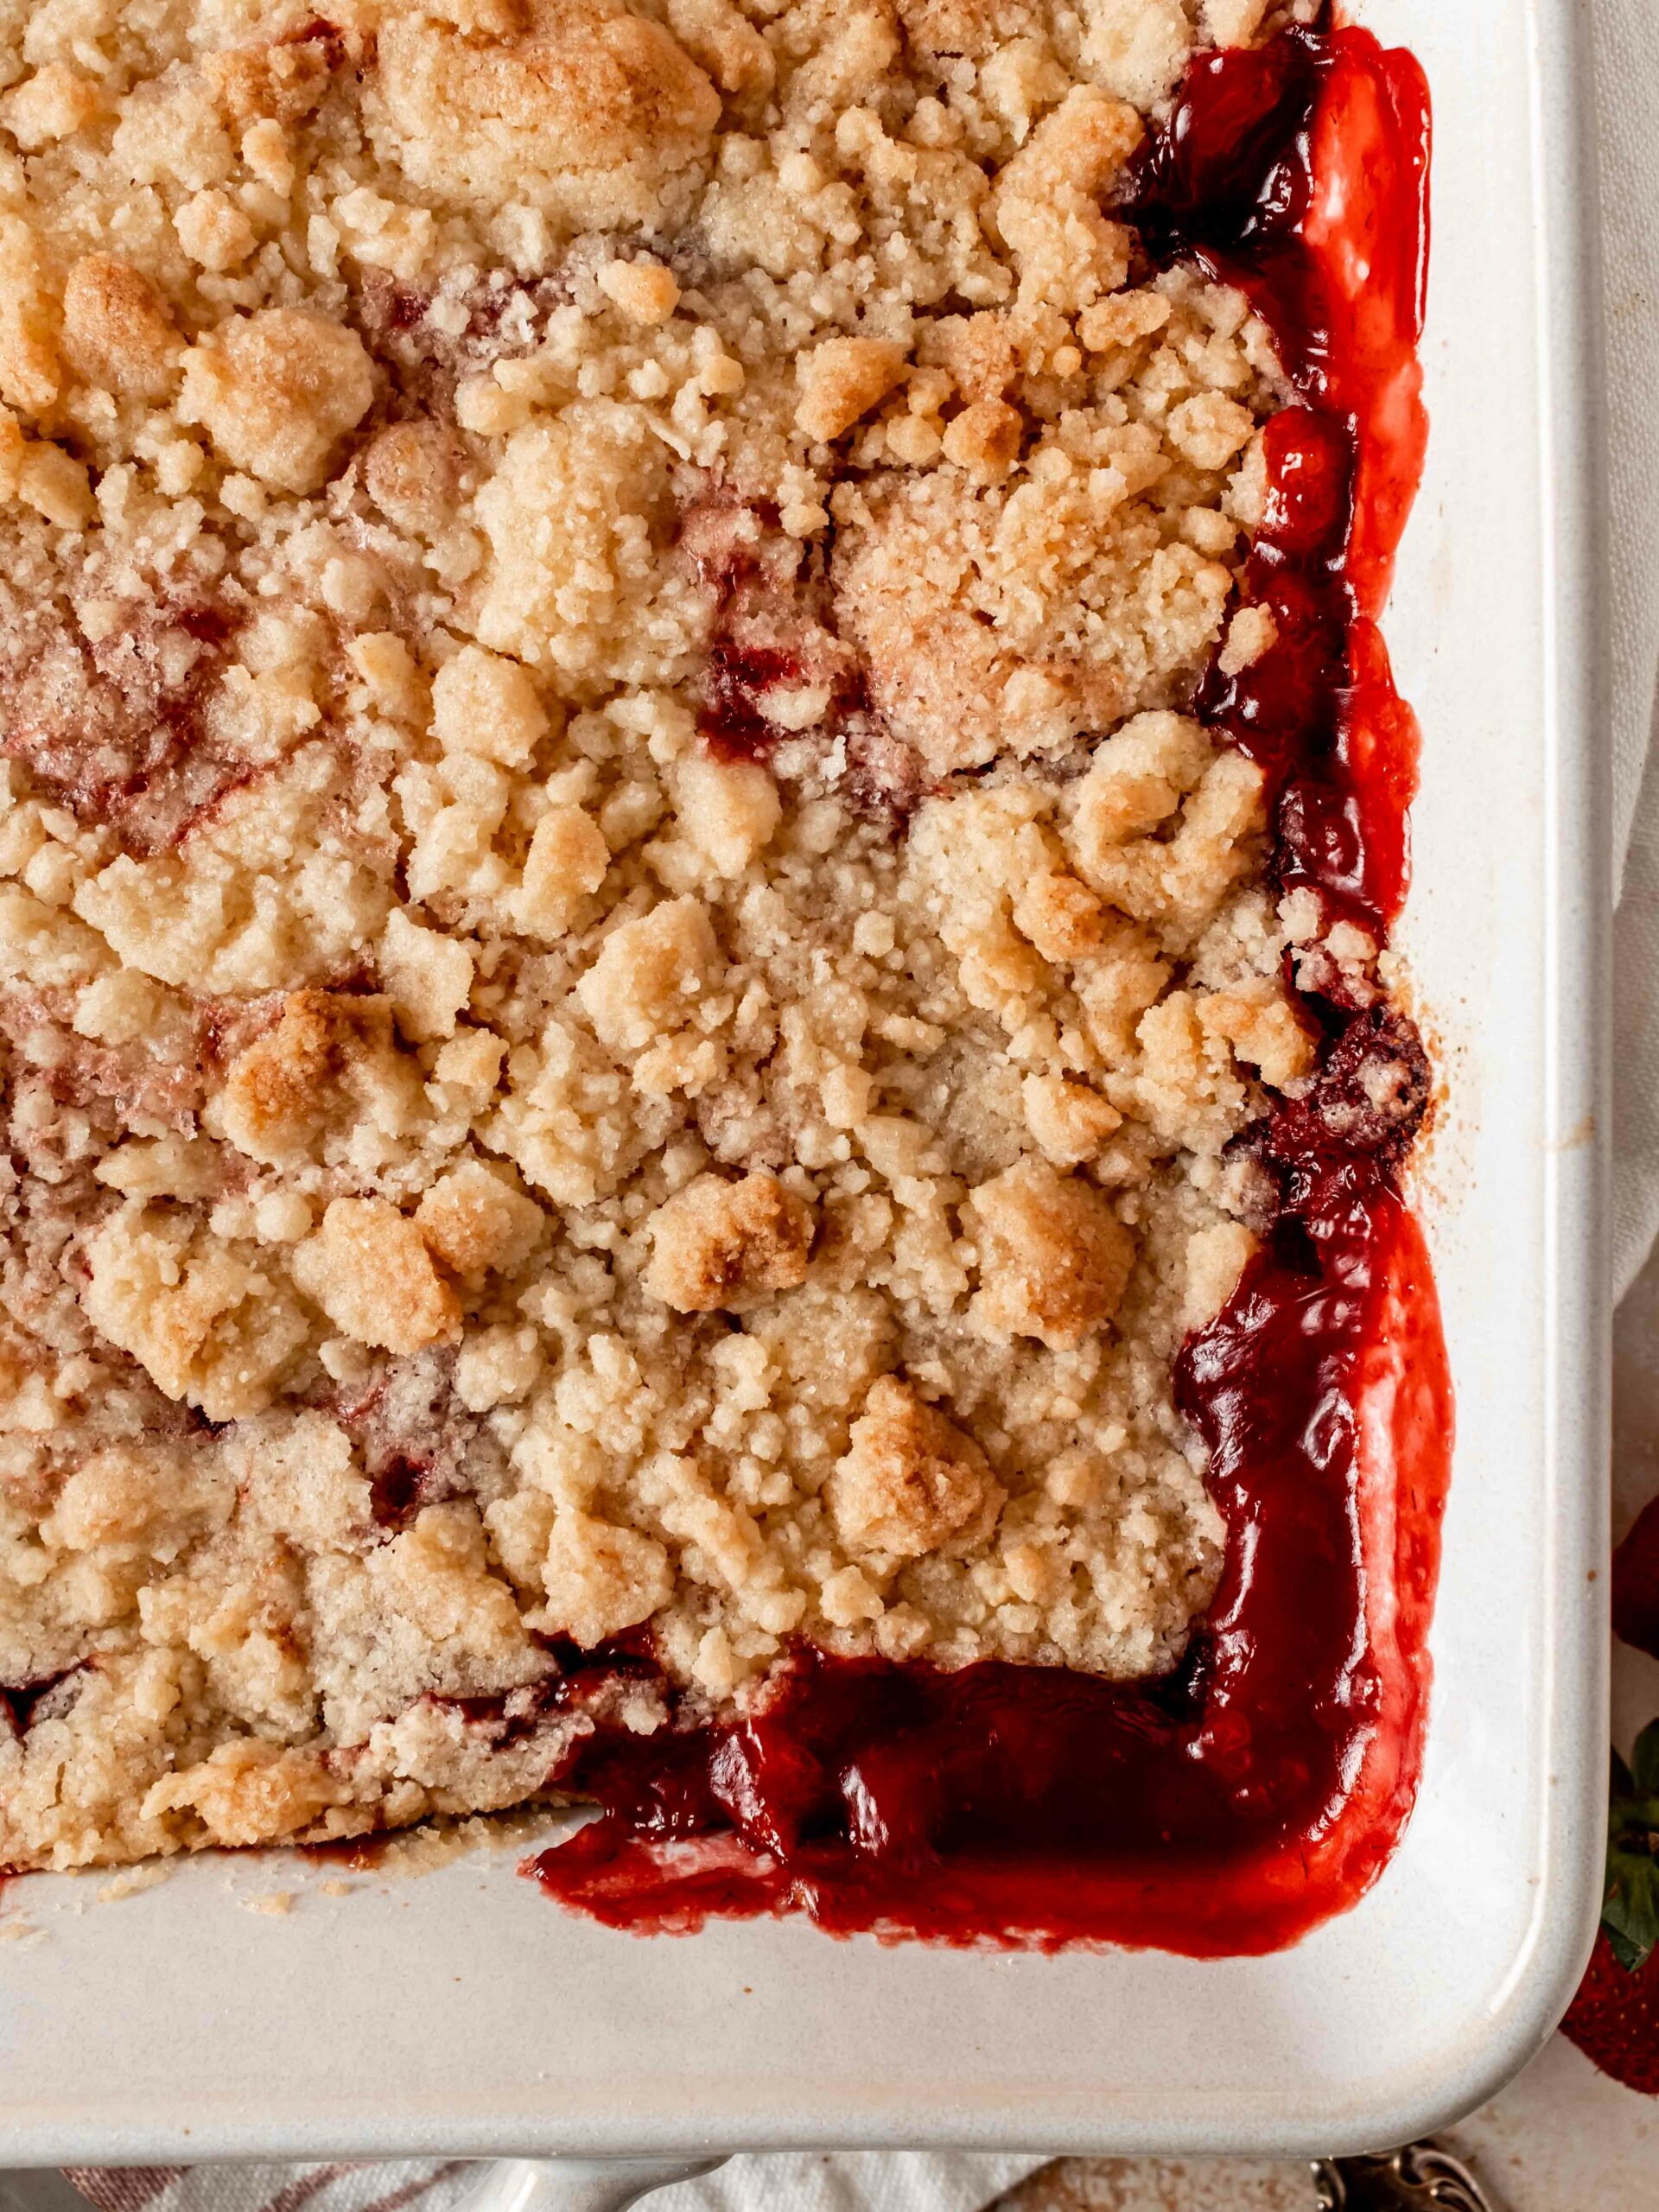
(625, 990)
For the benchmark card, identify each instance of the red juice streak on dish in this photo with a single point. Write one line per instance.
(1231, 1806)
(360, 1854)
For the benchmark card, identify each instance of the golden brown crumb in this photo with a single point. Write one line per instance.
(625, 988)
(566, 862)
(600, 1579)
(719, 1246)
(411, 471)
(912, 1482)
(985, 439)
(472, 1220)
(372, 1273)
(1055, 1259)
(1070, 1121)
(277, 391)
(1068, 253)
(207, 1323)
(328, 1060)
(651, 974)
(249, 1792)
(843, 379)
(644, 291)
(116, 331)
(55, 103)
(593, 113)
(282, 81)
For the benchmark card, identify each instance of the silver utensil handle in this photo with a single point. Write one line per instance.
(1420, 2178)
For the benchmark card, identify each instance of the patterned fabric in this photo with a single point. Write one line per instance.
(435, 2186)
(790, 2182)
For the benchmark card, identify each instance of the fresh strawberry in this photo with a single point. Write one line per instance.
(1636, 1582)
(1614, 2018)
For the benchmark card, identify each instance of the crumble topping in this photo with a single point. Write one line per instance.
(627, 986)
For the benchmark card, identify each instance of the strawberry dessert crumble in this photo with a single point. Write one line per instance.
(657, 951)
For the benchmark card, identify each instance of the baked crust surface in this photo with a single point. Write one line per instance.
(625, 989)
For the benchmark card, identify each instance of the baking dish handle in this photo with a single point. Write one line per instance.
(576, 2184)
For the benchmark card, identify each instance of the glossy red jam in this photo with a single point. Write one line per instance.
(1299, 172)
(1231, 1806)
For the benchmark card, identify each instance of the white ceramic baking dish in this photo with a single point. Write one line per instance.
(464, 2014)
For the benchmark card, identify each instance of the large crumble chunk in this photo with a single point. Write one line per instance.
(625, 983)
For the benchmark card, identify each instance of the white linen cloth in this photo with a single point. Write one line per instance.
(1627, 72)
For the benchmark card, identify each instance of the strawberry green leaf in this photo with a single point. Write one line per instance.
(1629, 1908)
(1630, 1911)
(1628, 1955)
